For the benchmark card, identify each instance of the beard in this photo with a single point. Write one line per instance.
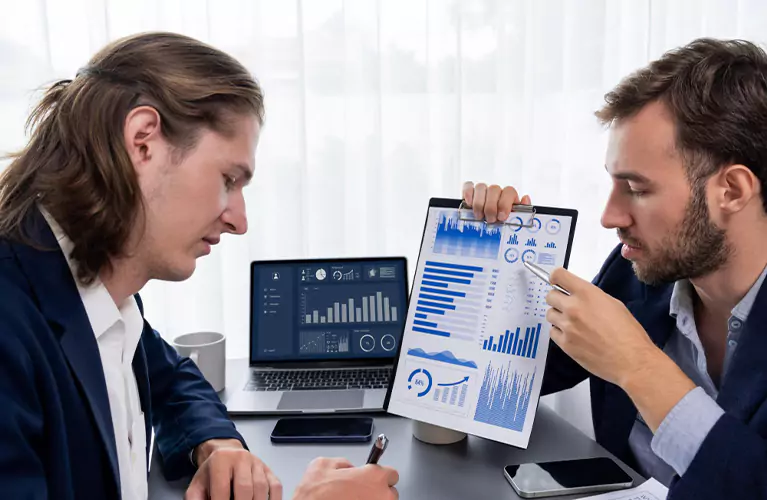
(697, 248)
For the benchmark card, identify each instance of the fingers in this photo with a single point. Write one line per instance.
(468, 193)
(385, 474)
(491, 203)
(556, 318)
(392, 476)
(557, 299)
(196, 491)
(272, 484)
(567, 280)
(220, 480)
(324, 463)
(245, 484)
(509, 198)
(480, 195)
(557, 336)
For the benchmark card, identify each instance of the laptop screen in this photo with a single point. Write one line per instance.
(343, 309)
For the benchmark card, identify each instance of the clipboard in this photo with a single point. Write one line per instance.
(525, 221)
(464, 210)
(521, 216)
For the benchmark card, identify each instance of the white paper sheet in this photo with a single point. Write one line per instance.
(476, 338)
(649, 490)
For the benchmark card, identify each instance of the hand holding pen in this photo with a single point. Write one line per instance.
(378, 448)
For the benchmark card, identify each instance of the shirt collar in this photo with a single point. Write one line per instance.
(101, 310)
(681, 298)
(743, 308)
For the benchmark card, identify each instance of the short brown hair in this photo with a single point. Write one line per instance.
(716, 92)
(76, 164)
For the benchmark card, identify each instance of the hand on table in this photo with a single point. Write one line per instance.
(338, 479)
(227, 470)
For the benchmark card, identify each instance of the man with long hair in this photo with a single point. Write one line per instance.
(134, 169)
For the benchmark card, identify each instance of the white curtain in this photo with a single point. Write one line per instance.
(373, 106)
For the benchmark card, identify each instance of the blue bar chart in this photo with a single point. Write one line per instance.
(449, 300)
(512, 343)
(466, 238)
(504, 397)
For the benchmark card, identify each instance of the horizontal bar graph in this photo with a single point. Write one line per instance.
(511, 343)
(449, 300)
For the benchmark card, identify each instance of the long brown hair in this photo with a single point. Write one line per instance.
(76, 165)
(716, 92)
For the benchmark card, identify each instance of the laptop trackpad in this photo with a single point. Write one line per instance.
(320, 400)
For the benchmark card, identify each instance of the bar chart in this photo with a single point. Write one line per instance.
(504, 397)
(450, 300)
(465, 238)
(511, 343)
(452, 394)
(377, 307)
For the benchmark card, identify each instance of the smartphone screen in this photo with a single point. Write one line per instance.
(567, 476)
(323, 429)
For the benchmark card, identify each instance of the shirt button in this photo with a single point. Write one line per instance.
(735, 324)
(732, 343)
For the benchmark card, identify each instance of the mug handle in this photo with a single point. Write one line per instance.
(194, 356)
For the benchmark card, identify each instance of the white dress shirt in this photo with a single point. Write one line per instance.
(117, 332)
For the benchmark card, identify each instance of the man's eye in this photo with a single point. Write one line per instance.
(230, 181)
(635, 192)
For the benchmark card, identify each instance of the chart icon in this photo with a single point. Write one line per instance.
(420, 380)
(511, 255)
(553, 226)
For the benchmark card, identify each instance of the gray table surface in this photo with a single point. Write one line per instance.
(472, 468)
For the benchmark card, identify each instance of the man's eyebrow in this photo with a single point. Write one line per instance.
(630, 176)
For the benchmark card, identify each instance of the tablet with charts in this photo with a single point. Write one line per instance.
(474, 347)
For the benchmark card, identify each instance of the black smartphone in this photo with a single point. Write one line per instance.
(567, 477)
(323, 430)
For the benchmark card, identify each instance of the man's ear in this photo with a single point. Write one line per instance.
(143, 135)
(735, 186)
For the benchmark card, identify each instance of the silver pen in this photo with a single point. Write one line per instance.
(379, 446)
(544, 275)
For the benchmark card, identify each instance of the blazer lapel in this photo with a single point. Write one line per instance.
(744, 387)
(652, 312)
(56, 294)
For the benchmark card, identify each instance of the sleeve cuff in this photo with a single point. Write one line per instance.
(684, 429)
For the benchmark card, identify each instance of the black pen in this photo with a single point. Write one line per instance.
(379, 446)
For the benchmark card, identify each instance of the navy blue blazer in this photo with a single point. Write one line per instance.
(732, 461)
(56, 434)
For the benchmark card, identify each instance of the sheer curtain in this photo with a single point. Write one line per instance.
(373, 106)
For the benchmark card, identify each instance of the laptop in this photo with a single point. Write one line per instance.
(323, 335)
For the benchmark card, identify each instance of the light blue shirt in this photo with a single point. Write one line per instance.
(680, 435)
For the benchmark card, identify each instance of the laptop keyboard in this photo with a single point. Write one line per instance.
(319, 380)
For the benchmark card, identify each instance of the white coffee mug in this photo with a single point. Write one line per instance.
(208, 351)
